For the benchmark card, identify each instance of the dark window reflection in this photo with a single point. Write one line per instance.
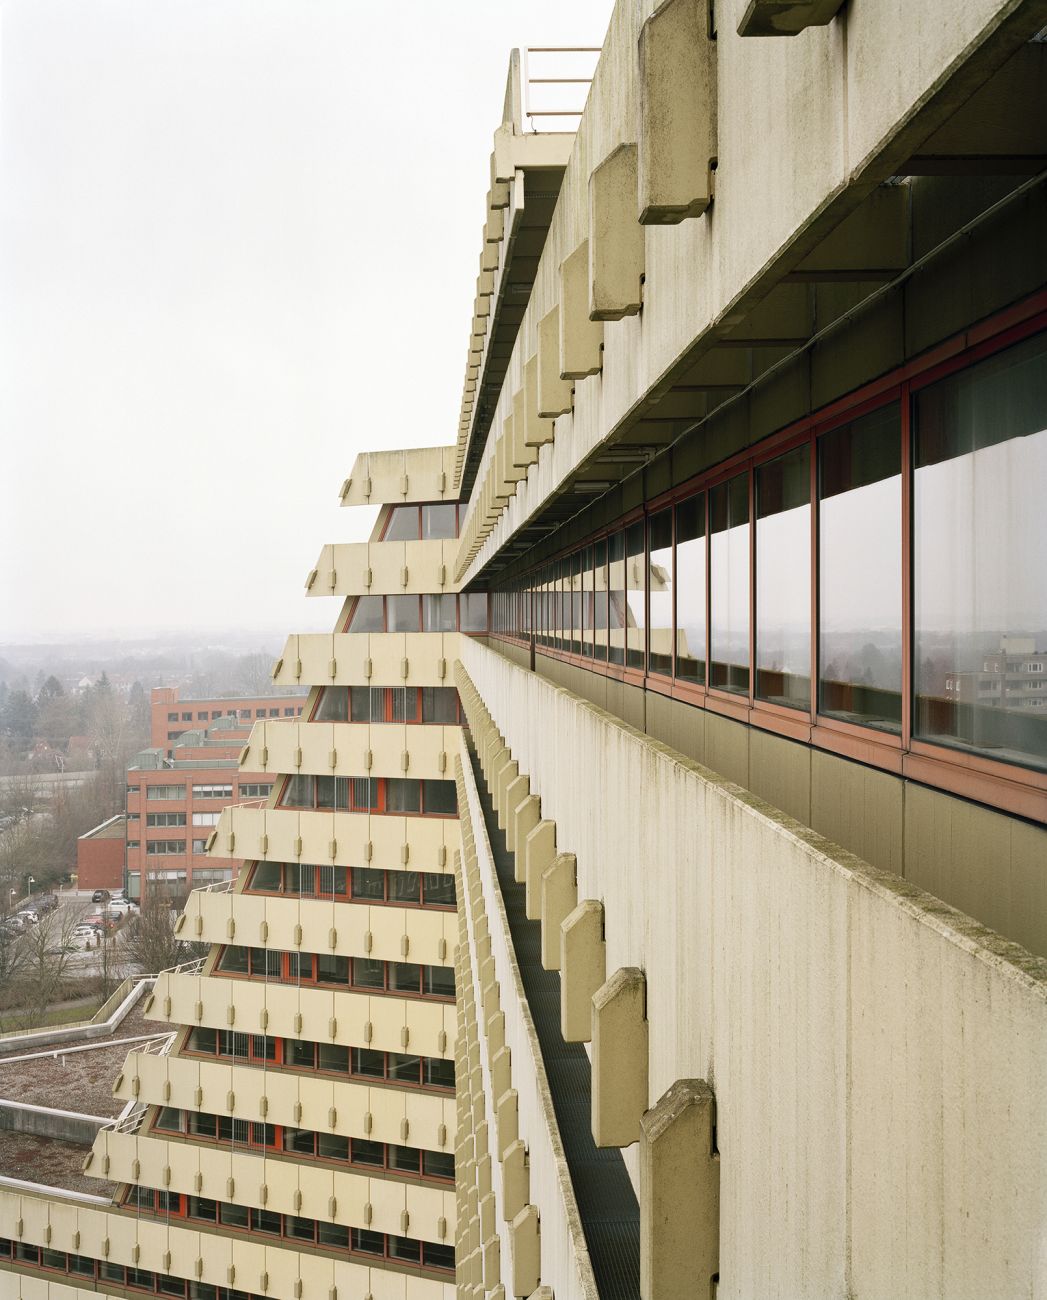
(860, 570)
(980, 556)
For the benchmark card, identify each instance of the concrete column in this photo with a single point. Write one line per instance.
(581, 339)
(503, 778)
(506, 1121)
(679, 1194)
(677, 141)
(525, 1236)
(516, 792)
(539, 849)
(558, 897)
(524, 819)
(555, 395)
(620, 1066)
(583, 968)
(516, 1180)
(616, 238)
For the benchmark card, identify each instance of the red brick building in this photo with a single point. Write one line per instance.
(100, 856)
(177, 788)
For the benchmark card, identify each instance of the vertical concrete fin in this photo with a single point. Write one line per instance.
(583, 968)
(620, 1061)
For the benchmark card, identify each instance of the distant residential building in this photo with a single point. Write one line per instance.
(171, 717)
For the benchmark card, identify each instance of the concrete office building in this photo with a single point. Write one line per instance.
(748, 910)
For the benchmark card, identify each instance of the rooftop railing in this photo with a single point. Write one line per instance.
(556, 81)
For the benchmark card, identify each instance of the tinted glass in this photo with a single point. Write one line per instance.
(403, 525)
(473, 611)
(439, 521)
(660, 586)
(402, 613)
(690, 589)
(367, 615)
(729, 585)
(402, 795)
(635, 566)
(979, 555)
(440, 704)
(616, 617)
(333, 705)
(439, 613)
(783, 579)
(860, 532)
(441, 797)
(600, 600)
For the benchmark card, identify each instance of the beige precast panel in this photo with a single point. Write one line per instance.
(385, 840)
(367, 659)
(357, 748)
(399, 477)
(379, 568)
(430, 1025)
(308, 925)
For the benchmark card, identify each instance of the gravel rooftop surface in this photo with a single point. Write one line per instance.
(80, 1081)
(49, 1161)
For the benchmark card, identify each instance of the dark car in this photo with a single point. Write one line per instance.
(46, 903)
(100, 896)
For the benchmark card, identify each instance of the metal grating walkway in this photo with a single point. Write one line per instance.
(606, 1200)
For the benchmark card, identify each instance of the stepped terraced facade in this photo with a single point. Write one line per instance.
(652, 897)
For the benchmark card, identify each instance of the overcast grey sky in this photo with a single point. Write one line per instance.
(238, 243)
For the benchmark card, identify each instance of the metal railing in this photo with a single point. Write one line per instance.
(186, 967)
(568, 68)
(129, 1120)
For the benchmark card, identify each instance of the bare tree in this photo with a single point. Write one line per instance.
(151, 940)
(48, 966)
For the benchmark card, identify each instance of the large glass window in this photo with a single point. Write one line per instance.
(635, 565)
(439, 521)
(473, 611)
(729, 585)
(439, 613)
(575, 570)
(403, 525)
(660, 585)
(690, 589)
(600, 599)
(783, 579)
(979, 557)
(616, 595)
(367, 615)
(401, 613)
(860, 570)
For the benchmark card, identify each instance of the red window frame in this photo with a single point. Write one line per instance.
(1008, 787)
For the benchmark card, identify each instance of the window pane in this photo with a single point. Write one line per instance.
(439, 613)
(331, 969)
(366, 1152)
(266, 877)
(473, 611)
(367, 616)
(404, 887)
(441, 797)
(690, 589)
(439, 1074)
(860, 532)
(440, 705)
(402, 795)
(979, 547)
(331, 1147)
(587, 602)
(575, 564)
(729, 582)
(403, 525)
(600, 599)
(302, 1054)
(368, 1062)
(403, 1068)
(439, 890)
(439, 521)
(361, 705)
(783, 579)
(660, 584)
(404, 703)
(405, 976)
(634, 578)
(439, 981)
(333, 705)
(234, 959)
(437, 1164)
(368, 973)
(330, 1056)
(616, 597)
(332, 1234)
(368, 882)
(401, 613)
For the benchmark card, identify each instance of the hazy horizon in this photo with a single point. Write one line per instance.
(235, 237)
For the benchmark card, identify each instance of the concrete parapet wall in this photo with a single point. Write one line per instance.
(565, 1262)
(877, 1058)
(41, 1121)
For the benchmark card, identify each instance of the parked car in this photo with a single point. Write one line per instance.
(119, 907)
(29, 917)
(83, 931)
(100, 896)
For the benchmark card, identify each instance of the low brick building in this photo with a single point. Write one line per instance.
(100, 855)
